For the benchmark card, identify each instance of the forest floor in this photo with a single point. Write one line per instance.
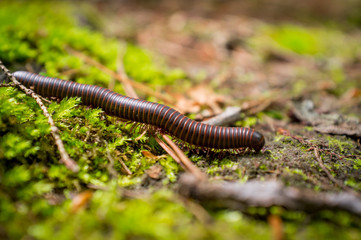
(297, 81)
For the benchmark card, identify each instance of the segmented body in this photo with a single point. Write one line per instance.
(159, 115)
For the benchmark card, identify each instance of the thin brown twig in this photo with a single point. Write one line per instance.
(126, 169)
(141, 135)
(7, 85)
(324, 168)
(173, 150)
(44, 99)
(129, 90)
(185, 160)
(329, 175)
(169, 151)
(64, 156)
(111, 169)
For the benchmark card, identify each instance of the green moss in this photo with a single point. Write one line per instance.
(43, 34)
(309, 128)
(274, 114)
(20, 126)
(341, 145)
(218, 167)
(140, 65)
(297, 172)
(356, 184)
(247, 122)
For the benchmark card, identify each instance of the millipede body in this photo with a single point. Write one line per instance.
(155, 114)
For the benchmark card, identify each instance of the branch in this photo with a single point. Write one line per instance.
(64, 157)
(266, 194)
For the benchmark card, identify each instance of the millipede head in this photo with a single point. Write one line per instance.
(258, 141)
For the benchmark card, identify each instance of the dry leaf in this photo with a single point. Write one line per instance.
(80, 200)
(149, 155)
(186, 105)
(154, 171)
(199, 96)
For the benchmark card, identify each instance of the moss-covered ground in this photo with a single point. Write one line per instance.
(41, 199)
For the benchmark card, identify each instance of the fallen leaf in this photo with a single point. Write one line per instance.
(80, 200)
(154, 171)
(151, 155)
(186, 105)
(284, 132)
(199, 97)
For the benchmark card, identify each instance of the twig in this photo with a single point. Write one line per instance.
(126, 169)
(319, 159)
(64, 157)
(111, 169)
(7, 85)
(177, 154)
(329, 175)
(169, 151)
(129, 90)
(185, 160)
(141, 135)
(266, 194)
(229, 116)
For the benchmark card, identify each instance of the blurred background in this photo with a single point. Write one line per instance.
(250, 49)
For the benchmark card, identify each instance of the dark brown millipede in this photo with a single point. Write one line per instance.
(155, 114)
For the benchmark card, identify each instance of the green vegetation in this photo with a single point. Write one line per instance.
(146, 70)
(43, 34)
(37, 192)
(307, 41)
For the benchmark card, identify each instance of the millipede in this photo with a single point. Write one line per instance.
(158, 115)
